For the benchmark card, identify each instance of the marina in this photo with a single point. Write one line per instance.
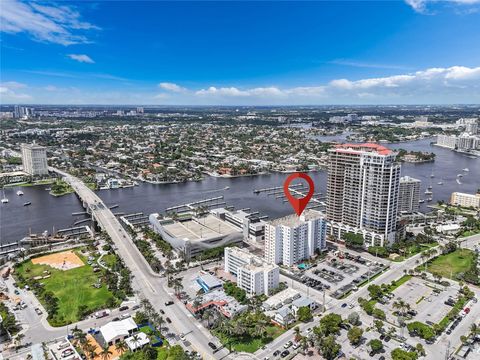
(64, 211)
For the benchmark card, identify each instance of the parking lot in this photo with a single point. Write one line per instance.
(426, 298)
(63, 349)
(341, 272)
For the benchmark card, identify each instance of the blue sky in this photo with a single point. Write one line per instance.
(230, 53)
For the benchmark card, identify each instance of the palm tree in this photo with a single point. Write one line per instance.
(121, 347)
(90, 350)
(474, 328)
(296, 331)
(105, 353)
(136, 340)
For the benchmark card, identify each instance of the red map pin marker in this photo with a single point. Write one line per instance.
(298, 204)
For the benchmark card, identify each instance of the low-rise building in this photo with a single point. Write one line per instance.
(252, 227)
(193, 235)
(254, 275)
(116, 331)
(465, 200)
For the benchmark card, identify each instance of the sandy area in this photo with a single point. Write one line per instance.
(115, 354)
(63, 261)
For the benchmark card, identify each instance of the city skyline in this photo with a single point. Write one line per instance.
(240, 53)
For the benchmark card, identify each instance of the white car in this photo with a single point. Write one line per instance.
(182, 337)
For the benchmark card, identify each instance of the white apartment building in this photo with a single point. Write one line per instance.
(362, 192)
(465, 200)
(34, 159)
(254, 275)
(291, 239)
(463, 142)
(409, 198)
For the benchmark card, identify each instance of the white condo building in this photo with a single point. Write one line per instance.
(34, 159)
(254, 275)
(291, 239)
(409, 198)
(362, 192)
(465, 200)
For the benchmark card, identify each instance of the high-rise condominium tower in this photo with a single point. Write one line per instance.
(409, 197)
(362, 192)
(291, 239)
(34, 159)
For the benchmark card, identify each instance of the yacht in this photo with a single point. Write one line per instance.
(466, 169)
(4, 198)
(421, 201)
(459, 175)
(27, 203)
(432, 175)
(458, 182)
(440, 183)
(19, 192)
(428, 192)
(430, 187)
(429, 199)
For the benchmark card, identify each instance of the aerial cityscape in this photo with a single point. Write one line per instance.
(239, 180)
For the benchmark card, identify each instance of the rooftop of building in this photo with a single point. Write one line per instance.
(196, 229)
(409, 179)
(366, 147)
(294, 220)
(283, 297)
(254, 262)
(117, 328)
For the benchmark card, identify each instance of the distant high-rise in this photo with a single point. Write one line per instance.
(20, 112)
(293, 238)
(34, 159)
(362, 192)
(140, 110)
(409, 197)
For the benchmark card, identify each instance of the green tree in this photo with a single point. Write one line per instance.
(376, 345)
(329, 348)
(399, 354)
(304, 314)
(355, 335)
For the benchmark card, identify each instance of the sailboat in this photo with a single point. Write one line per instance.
(4, 198)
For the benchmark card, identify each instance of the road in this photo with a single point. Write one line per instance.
(148, 284)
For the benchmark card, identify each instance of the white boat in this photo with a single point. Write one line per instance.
(19, 192)
(429, 199)
(466, 169)
(458, 182)
(432, 176)
(428, 192)
(429, 187)
(459, 175)
(440, 183)
(421, 201)
(4, 198)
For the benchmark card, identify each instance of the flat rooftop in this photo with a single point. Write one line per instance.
(295, 220)
(206, 227)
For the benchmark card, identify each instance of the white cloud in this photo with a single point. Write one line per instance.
(455, 83)
(436, 85)
(171, 87)
(421, 6)
(9, 93)
(59, 24)
(81, 58)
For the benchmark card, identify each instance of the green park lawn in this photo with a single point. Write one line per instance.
(450, 265)
(249, 344)
(73, 288)
(110, 260)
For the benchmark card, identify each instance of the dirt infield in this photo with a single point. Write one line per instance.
(63, 261)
